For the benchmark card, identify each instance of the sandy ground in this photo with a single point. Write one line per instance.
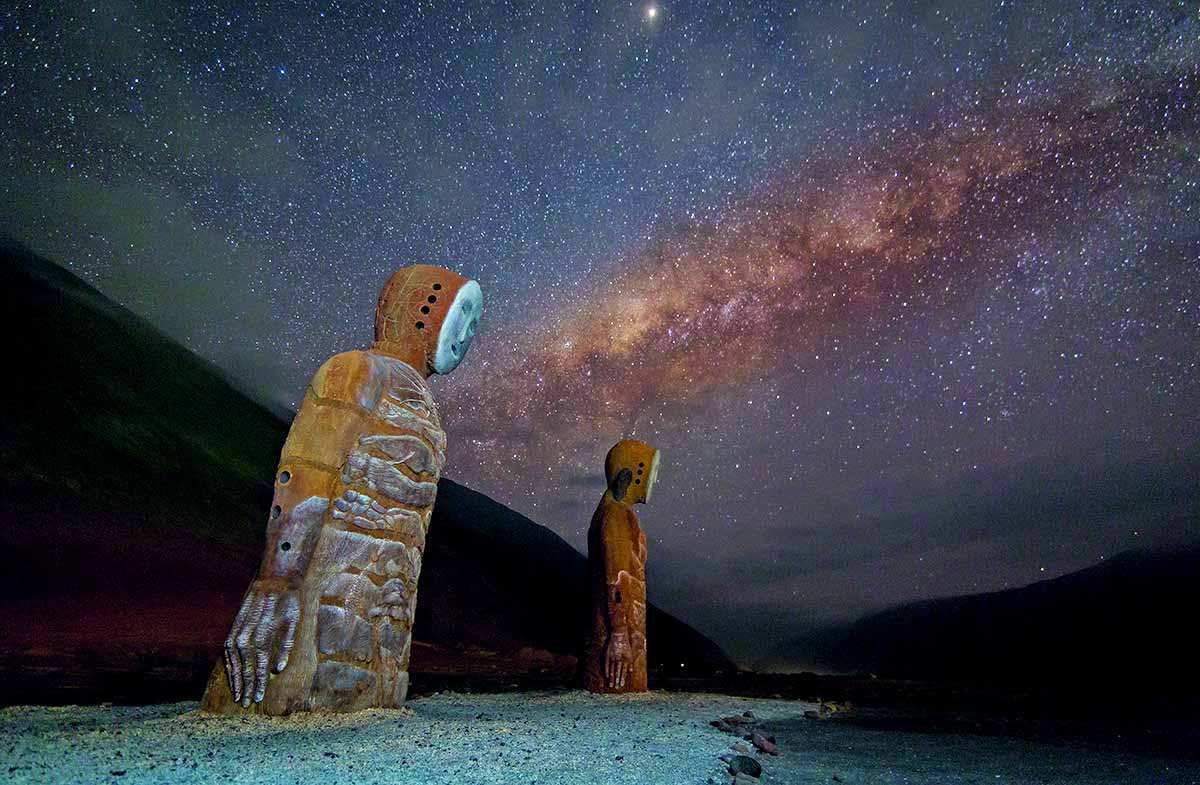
(551, 737)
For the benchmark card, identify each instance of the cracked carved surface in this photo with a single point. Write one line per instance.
(347, 567)
(368, 597)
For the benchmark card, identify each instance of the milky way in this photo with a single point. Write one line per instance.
(844, 255)
(832, 245)
(907, 293)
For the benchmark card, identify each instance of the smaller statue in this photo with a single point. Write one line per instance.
(615, 660)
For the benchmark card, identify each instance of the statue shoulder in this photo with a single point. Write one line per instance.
(353, 377)
(617, 521)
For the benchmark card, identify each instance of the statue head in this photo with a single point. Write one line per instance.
(631, 468)
(428, 314)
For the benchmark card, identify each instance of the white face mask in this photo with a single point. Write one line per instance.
(653, 475)
(458, 328)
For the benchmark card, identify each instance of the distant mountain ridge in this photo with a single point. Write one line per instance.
(1131, 615)
(134, 481)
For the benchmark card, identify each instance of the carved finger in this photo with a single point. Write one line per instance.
(245, 652)
(263, 635)
(230, 671)
(233, 670)
(227, 652)
(261, 657)
(287, 636)
(232, 674)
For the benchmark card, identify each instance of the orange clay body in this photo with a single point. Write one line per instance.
(327, 622)
(615, 660)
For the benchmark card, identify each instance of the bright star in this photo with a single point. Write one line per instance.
(651, 11)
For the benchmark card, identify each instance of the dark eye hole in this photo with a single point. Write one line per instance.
(620, 484)
(424, 309)
(284, 477)
(420, 325)
(433, 298)
(437, 287)
(276, 511)
(286, 546)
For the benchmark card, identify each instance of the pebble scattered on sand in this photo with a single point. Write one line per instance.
(764, 743)
(747, 726)
(743, 764)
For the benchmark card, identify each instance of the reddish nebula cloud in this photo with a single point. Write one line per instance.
(831, 245)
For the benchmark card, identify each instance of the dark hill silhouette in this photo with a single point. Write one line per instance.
(1127, 623)
(134, 480)
(481, 561)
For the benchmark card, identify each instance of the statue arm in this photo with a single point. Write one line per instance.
(264, 630)
(618, 558)
(619, 545)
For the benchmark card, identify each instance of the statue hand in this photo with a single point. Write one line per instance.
(262, 637)
(618, 660)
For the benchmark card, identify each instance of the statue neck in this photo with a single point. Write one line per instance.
(608, 496)
(410, 352)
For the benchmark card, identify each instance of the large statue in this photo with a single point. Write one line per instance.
(327, 623)
(616, 653)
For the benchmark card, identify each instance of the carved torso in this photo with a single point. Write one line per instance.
(369, 559)
(355, 488)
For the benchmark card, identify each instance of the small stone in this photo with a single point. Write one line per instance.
(724, 726)
(764, 742)
(741, 747)
(744, 764)
(738, 719)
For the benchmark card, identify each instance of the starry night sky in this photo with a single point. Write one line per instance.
(907, 293)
